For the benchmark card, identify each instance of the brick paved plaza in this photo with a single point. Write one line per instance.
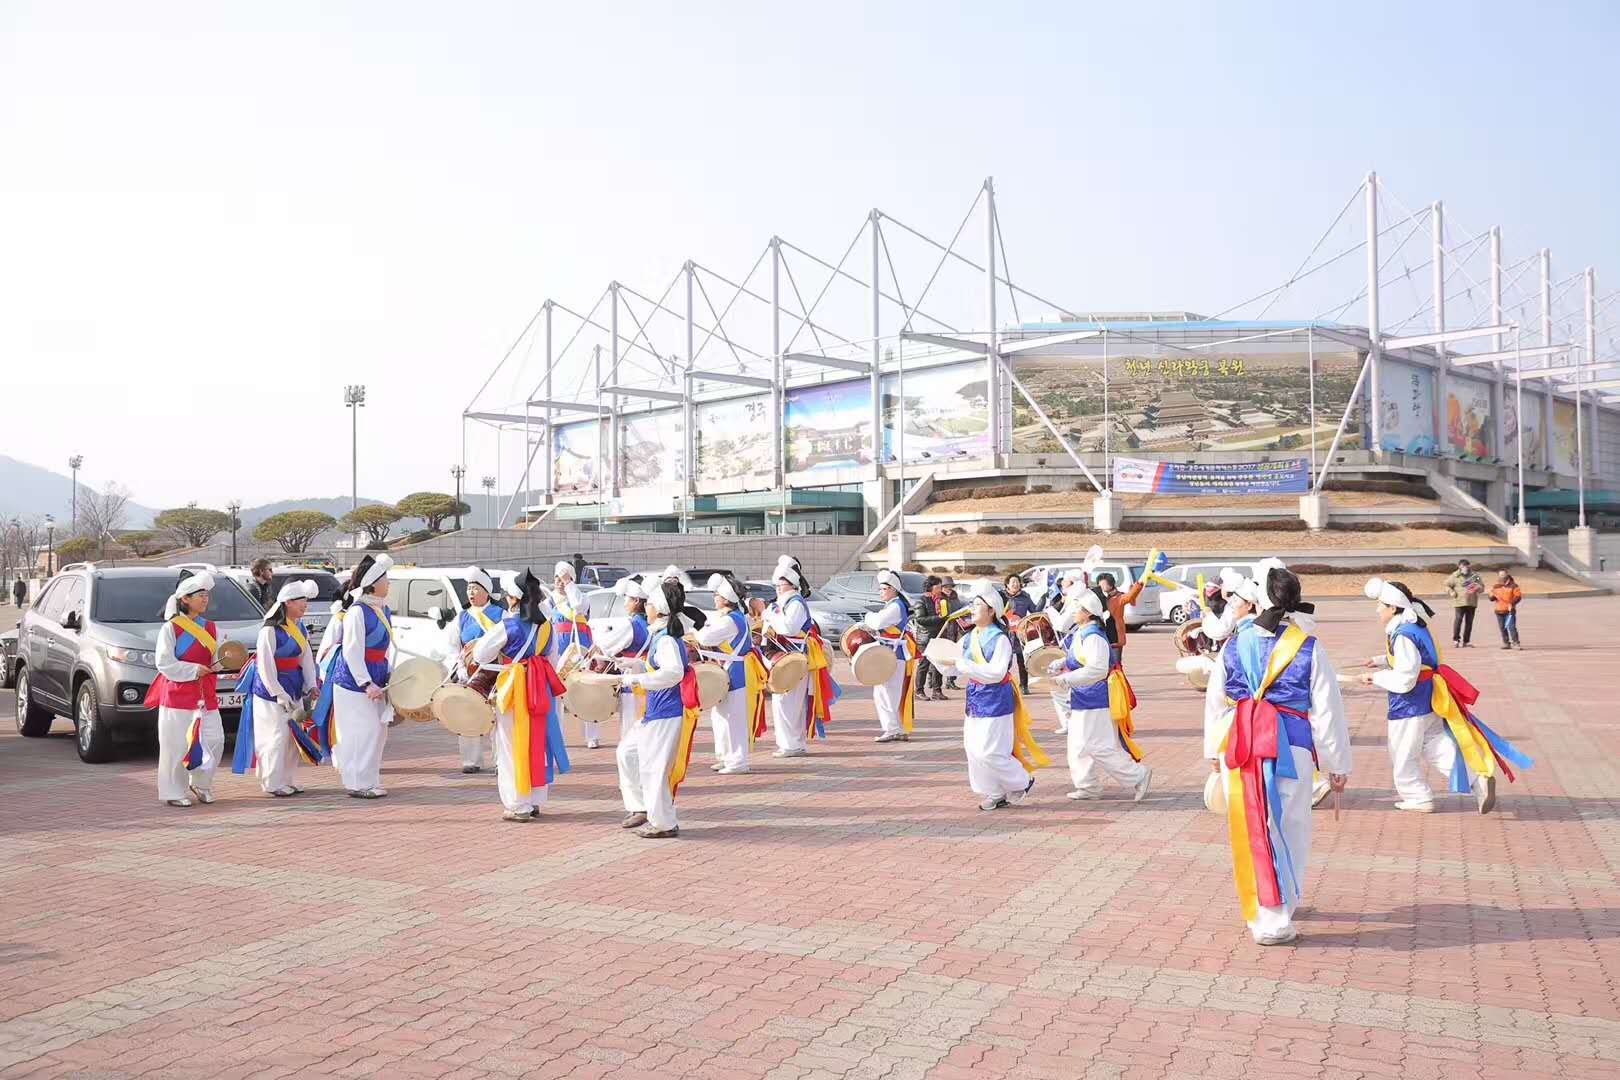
(850, 915)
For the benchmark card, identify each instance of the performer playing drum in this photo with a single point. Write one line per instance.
(569, 628)
(360, 709)
(480, 615)
(739, 717)
(191, 737)
(1097, 748)
(625, 648)
(892, 623)
(529, 750)
(798, 714)
(269, 739)
(654, 753)
(1062, 613)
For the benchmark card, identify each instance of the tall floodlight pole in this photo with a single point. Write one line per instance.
(489, 497)
(1373, 351)
(354, 399)
(997, 432)
(50, 547)
(1580, 405)
(459, 472)
(235, 508)
(73, 463)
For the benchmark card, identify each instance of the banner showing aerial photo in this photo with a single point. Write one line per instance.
(574, 449)
(733, 443)
(947, 413)
(829, 426)
(1229, 401)
(654, 444)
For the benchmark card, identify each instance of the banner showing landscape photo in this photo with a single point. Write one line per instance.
(1470, 428)
(947, 413)
(1176, 401)
(830, 426)
(1407, 394)
(574, 449)
(1561, 441)
(1531, 428)
(654, 447)
(733, 443)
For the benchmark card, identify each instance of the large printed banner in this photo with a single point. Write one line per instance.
(654, 445)
(1243, 478)
(1470, 431)
(733, 443)
(1561, 445)
(574, 449)
(946, 410)
(829, 426)
(1407, 393)
(1259, 400)
(1534, 449)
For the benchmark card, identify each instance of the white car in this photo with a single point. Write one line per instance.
(605, 609)
(424, 599)
(1124, 577)
(1174, 603)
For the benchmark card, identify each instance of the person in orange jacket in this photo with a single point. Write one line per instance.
(1506, 594)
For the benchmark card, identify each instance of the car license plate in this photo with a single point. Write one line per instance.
(230, 701)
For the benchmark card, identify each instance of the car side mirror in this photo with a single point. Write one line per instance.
(439, 615)
(70, 621)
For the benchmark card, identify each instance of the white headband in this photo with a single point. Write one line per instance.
(985, 592)
(658, 601)
(1385, 593)
(630, 588)
(293, 590)
(1230, 579)
(196, 583)
(1090, 601)
(671, 573)
(1262, 577)
(476, 576)
(785, 572)
(378, 570)
(889, 578)
(564, 570)
(718, 585)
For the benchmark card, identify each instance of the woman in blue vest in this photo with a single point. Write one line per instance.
(464, 630)
(1062, 610)
(528, 736)
(734, 717)
(626, 646)
(360, 710)
(652, 755)
(1429, 717)
(1095, 750)
(1002, 755)
(892, 623)
(1272, 713)
(282, 672)
(569, 627)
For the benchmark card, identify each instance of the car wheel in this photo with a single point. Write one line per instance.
(94, 736)
(33, 721)
(1178, 615)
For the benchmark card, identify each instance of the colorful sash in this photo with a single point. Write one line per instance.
(1257, 750)
(194, 644)
(905, 643)
(754, 674)
(247, 753)
(1478, 747)
(320, 734)
(1121, 700)
(528, 689)
(1025, 748)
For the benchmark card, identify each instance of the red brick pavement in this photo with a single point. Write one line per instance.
(849, 915)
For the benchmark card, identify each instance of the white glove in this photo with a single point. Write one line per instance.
(285, 702)
(1056, 667)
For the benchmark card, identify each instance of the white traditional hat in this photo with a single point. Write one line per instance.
(380, 565)
(1385, 592)
(784, 572)
(671, 573)
(1088, 600)
(720, 585)
(630, 588)
(563, 569)
(1262, 575)
(889, 578)
(985, 592)
(478, 576)
(202, 581)
(304, 589)
(1230, 579)
(658, 600)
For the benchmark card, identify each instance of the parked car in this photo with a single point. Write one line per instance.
(320, 608)
(859, 588)
(8, 658)
(1125, 575)
(1173, 602)
(424, 599)
(602, 576)
(832, 615)
(605, 609)
(86, 649)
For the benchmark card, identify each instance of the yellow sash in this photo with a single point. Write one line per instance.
(296, 632)
(190, 626)
(1476, 752)
(754, 676)
(1025, 748)
(484, 621)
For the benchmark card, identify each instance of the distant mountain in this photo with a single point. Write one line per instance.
(27, 490)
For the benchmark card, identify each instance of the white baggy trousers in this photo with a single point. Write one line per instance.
(273, 745)
(1414, 741)
(992, 769)
(174, 725)
(729, 721)
(645, 753)
(1095, 753)
(475, 751)
(361, 733)
(519, 802)
(787, 716)
(888, 699)
(1295, 828)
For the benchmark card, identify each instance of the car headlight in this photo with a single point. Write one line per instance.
(138, 657)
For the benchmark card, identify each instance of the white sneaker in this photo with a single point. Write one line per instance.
(718, 766)
(1079, 795)
(1286, 937)
(182, 803)
(1014, 798)
(204, 797)
(887, 736)
(379, 792)
(993, 802)
(1415, 807)
(1062, 729)
(733, 770)
(1139, 792)
(801, 752)
(779, 753)
(593, 744)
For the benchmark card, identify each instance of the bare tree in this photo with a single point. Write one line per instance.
(20, 541)
(103, 513)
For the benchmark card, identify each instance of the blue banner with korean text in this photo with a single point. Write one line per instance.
(1241, 478)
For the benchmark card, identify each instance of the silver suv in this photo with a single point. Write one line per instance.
(86, 650)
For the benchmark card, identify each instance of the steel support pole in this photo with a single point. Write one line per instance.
(778, 380)
(1375, 397)
(1310, 378)
(877, 362)
(1499, 436)
(1518, 413)
(1546, 339)
(550, 435)
(1108, 423)
(1442, 380)
(613, 421)
(997, 419)
(1580, 404)
(689, 410)
(601, 499)
(900, 433)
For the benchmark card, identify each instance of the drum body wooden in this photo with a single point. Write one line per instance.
(1189, 640)
(483, 681)
(233, 656)
(1197, 670)
(592, 697)
(712, 682)
(785, 668)
(463, 710)
(1036, 629)
(854, 638)
(411, 686)
(874, 663)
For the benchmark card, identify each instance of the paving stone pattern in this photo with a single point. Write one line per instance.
(848, 916)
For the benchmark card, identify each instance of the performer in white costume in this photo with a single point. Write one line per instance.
(1095, 746)
(892, 623)
(570, 627)
(1272, 708)
(1062, 611)
(626, 647)
(191, 737)
(789, 619)
(474, 622)
(653, 755)
(360, 710)
(733, 717)
(282, 673)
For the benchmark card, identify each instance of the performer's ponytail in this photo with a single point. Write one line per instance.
(1422, 616)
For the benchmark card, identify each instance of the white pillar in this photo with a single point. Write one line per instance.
(994, 385)
(1580, 403)
(1499, 440)
(1310, 381)
(689, 417)
(877, 374)
(613, 375)
(1437, 223)
(1546, 339)
(778, 379)
(601, 495)
(1375, 396)
(550, 439)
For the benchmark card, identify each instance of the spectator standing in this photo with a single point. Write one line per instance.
(579, 567)
(19, 592)
(1019, 604)
(930, 624)
(954, 628)
(1506, 595)
(1464, 587)
(260, 587)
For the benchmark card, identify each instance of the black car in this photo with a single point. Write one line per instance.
(8, 659)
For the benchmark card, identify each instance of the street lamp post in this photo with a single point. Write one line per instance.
(459, 472)
(354, 399)
(73, 463)
(489, 496)
(50, 547)
(235, 507)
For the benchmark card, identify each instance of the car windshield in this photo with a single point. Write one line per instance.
(326, 583)
(127, 600)
(817, 594)
(702, 599)
(608, 576)
(460, 585)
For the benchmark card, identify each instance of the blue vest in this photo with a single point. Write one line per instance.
(1418, 701)
(1094, 696)
(742, 643)
(902, 626)
(377, 637)
(796, 644)
(522, 640)
(664, 704)
(291, 679)
(987, 699)
(1246, 661)
(638, 643)
(569, 626)
(468, 625)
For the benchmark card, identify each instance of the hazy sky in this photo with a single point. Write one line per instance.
(214, 215)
